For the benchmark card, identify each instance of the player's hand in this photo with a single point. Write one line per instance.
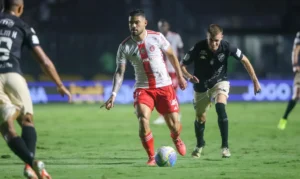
(194, 80)
(182, 83)
(296, 69)
(257, 88)
(63, 91)
(109, 103)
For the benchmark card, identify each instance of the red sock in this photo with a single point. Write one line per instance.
(148, 143)
(175, 135)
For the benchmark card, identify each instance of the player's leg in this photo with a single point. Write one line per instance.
(144, 105)
(20, 96)
(166, 104)
(8, 113)
(16, 143)
(28, 131)
(160, 119)
(292, 103)
(220, 93)
(18, 92)
(202, 104)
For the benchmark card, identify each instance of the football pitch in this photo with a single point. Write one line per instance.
(84, 142)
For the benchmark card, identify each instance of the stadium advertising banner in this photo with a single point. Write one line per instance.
(98, 91)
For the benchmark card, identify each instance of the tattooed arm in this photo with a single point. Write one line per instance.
(118, 78)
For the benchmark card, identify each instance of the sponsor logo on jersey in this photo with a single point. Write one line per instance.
(8, 22)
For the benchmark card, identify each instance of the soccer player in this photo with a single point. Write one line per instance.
(177, 46)
(296, 93)
(210, 59)
(153, 87)
(15, 101)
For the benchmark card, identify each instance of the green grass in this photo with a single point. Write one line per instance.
(84, 142)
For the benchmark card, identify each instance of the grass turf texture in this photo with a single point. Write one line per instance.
(82, 141)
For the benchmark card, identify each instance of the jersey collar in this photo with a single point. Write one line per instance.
(138, 42)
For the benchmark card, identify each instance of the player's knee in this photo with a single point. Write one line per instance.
(201, 118)
(8, 112)
(144, 124)
(220, 109)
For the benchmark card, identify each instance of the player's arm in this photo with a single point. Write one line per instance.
(238, 55)
(187, 60)
(295, 56)
(245, 61)
(118, 78)
(50, 70)
(174, 61)
(46, 65)
(167, 49)
(32, 42)
(185, 72)
(296, 52)
(120, 70)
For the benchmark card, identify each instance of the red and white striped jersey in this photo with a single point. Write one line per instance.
(147, 59)
(176, 43)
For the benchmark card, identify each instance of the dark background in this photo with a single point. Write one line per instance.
(82, 36)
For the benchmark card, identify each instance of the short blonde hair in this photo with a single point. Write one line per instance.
(214, 29)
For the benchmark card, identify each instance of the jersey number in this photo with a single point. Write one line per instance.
(5, 47)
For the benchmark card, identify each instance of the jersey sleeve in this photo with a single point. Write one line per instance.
(121, 57)
(164, 44)
(179, 41)
(297, 39)
(190, 56)
(31, 39)
(235, 52)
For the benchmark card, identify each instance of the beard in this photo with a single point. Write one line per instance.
(136, 33)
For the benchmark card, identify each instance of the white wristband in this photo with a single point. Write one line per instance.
(114, 93)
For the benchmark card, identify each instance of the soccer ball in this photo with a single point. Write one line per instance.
(166, 157)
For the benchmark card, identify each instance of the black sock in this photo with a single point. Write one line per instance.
(18, 146)
(199, 131)
(29, 137)
(290, 107)
(223, 123)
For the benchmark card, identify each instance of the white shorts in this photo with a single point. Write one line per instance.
(14, 92)
(297, 80)
(202, 101)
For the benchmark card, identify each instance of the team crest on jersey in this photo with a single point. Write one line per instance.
(7, 22)
(221, 57)
(152, 48)
(203, 52)
(143, 51)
